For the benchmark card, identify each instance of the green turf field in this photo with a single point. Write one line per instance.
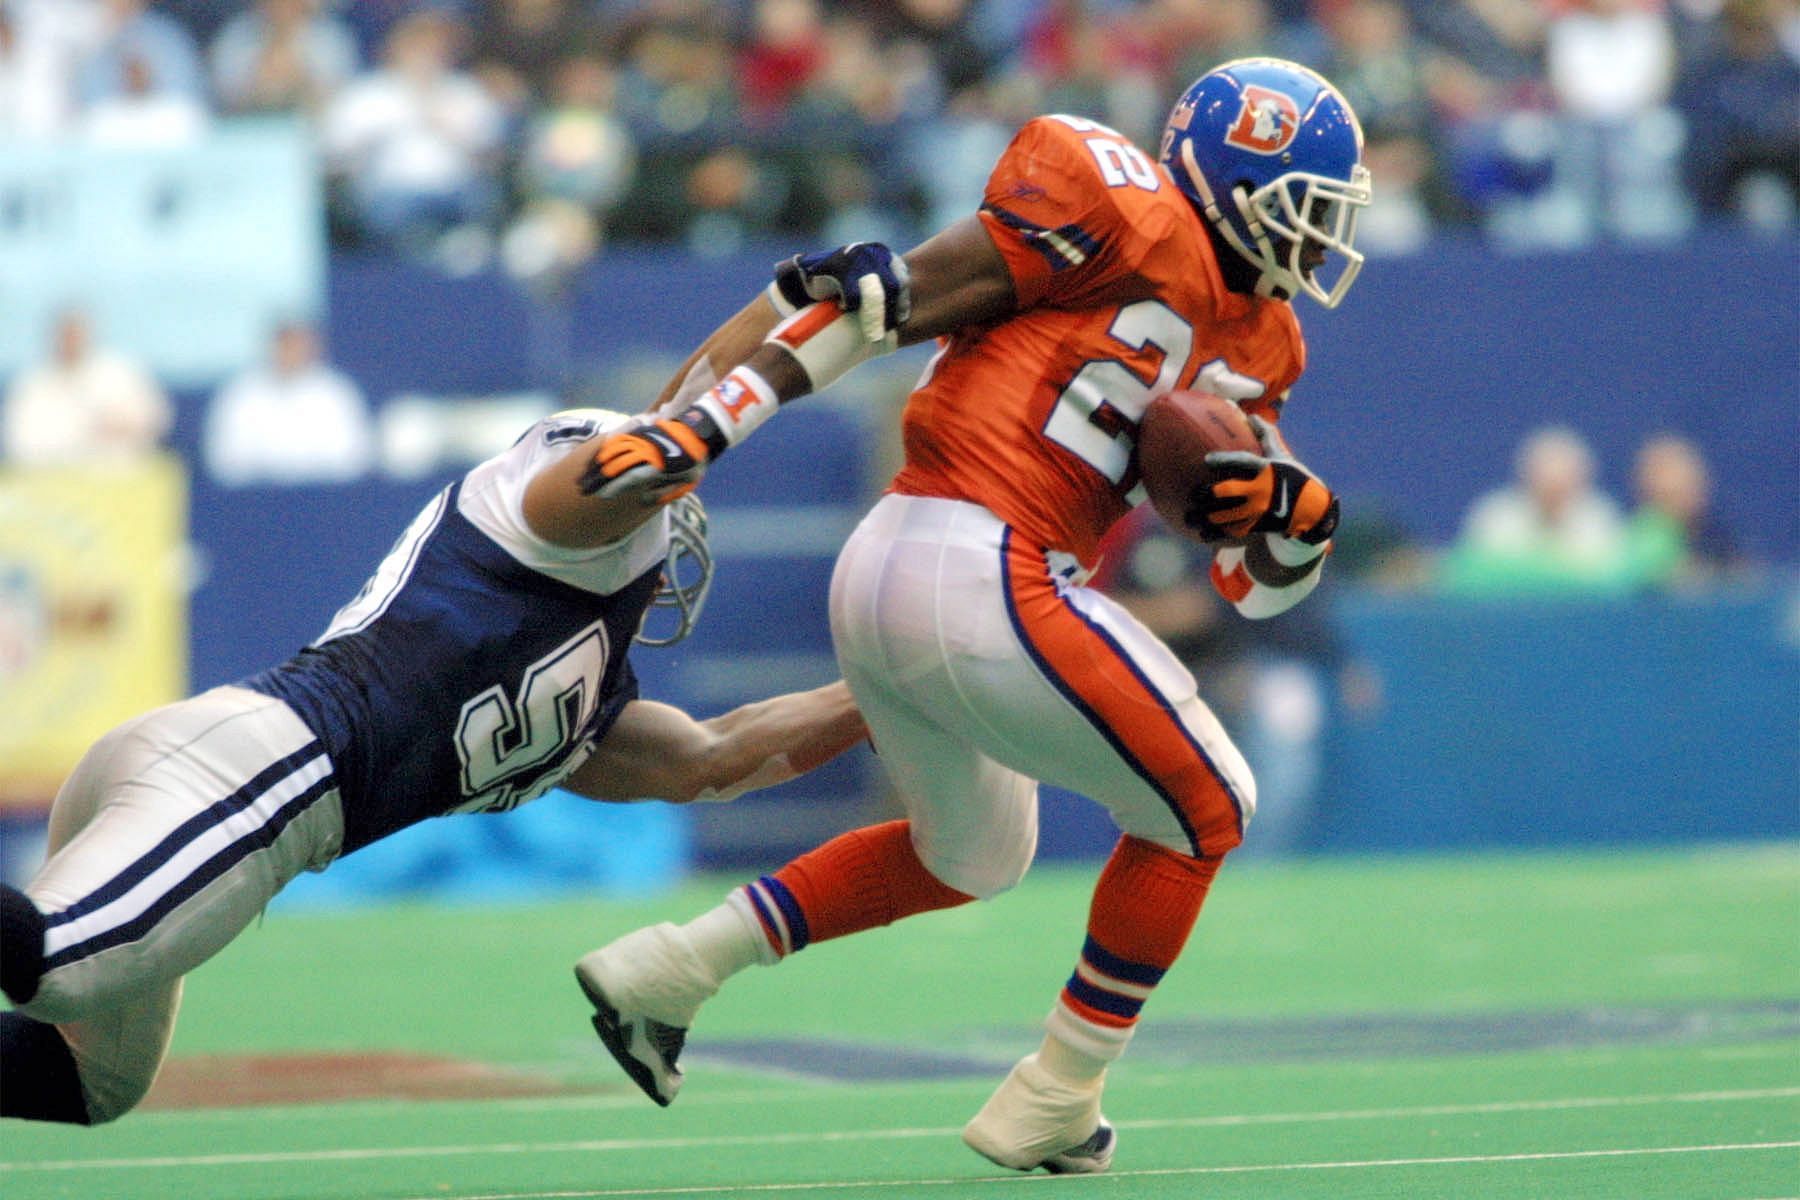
(1544, 1026)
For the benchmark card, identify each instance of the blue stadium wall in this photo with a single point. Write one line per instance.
(1503, 724)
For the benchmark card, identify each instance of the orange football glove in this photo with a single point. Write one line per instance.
(1269, 492)
(658, 461)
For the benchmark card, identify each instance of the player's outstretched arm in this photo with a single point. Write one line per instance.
(657, 751)
(724, 348)
(824, 314)
(954, 278)
(958, 279)
(563, 512)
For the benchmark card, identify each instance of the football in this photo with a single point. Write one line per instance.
(1178, 431)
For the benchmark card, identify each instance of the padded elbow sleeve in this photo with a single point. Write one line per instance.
(827, 341)
(1268, 575)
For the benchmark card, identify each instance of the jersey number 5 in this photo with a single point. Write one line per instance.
(1097, 415)
(511, 745)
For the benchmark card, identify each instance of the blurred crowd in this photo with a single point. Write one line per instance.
(1553, 530)
(540, 130)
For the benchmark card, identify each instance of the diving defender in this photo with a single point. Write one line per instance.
(484, 663)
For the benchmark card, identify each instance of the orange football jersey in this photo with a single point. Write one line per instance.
(1119, 299)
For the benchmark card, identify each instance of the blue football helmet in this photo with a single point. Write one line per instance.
(1271, 155)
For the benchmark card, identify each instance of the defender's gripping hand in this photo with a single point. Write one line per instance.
(866, 278)
(658, 461)
(1269, 492)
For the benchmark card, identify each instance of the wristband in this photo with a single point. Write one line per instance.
(1266, 575)
(737, 404)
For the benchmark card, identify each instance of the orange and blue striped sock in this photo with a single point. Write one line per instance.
(1144, 907)
(856, 881)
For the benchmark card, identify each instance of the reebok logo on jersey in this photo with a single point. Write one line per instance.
(1267, 123)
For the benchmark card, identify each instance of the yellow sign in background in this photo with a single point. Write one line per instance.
(93, 611)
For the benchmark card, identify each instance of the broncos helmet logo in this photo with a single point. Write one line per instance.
(1267, 122)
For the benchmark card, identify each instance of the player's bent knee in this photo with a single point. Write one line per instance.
(1239, 781)
(1226, 808)
(1224, 829)
(112, 1094)
(982, 878)
(116, 1076)
(980, 858)
(1212, 819)
(1224, 841)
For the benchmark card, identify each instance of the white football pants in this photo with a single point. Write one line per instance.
(168, 838)
(982, 666)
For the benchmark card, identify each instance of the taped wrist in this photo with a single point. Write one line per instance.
(827, 341)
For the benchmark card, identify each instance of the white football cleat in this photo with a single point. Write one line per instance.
(646, 988)
(1036, 1119)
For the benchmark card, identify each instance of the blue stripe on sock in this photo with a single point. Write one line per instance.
(770, 922)
(259, 838)
(790, 909)
(1105, 1001)
(1108, 963)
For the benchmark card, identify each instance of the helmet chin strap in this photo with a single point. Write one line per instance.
(1266, 283)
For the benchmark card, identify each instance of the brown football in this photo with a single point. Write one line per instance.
(1178, 431)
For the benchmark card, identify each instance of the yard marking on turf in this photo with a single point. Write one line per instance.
(609, 1145)
(359, 1110)
(1457, 1110)
(1154, 1173)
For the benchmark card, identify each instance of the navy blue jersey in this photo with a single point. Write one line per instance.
(479, 665)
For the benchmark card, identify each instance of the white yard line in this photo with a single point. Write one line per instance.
(768, 1189)
(1350, 1165)
(617, 1145)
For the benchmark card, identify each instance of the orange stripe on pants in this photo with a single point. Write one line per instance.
(1095, 674)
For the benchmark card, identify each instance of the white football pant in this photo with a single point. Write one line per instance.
(168, 838)
(983, 666)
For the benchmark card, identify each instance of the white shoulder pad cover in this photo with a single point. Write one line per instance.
(493, 494)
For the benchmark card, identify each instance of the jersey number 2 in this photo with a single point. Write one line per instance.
(1097, 415)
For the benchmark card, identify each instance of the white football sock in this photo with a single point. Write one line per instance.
(727, 941)
(1067, 1063)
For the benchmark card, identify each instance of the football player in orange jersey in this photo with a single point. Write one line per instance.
(1093, 278)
